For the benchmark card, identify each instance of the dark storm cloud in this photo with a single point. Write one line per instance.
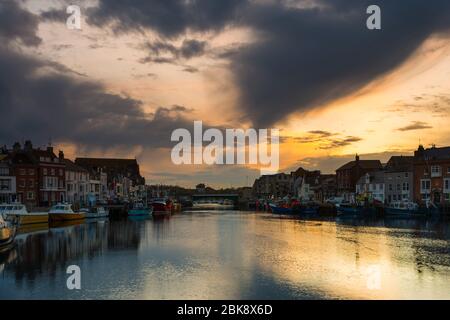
(308, 57)
(17, 24)
(42, 99)
(169, 17)
(304, 57)
(165, 52)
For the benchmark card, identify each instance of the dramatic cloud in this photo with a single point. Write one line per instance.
(165, 52)
(44, 99)
(323, 139)
(170, 18)
(306, 54)
(17, 24)
(416, 125)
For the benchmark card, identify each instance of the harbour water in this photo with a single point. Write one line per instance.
(232, 255)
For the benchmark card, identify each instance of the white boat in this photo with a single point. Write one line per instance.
(19, 213)
(95, 212)
(64, 212)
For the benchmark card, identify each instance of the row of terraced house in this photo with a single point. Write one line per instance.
(40, 178)
(420, 178)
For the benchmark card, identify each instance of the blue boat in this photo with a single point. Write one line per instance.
(280, 210)
(348, 210)
(140, 210)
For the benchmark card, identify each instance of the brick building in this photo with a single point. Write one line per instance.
(432, 175)
(348, 175)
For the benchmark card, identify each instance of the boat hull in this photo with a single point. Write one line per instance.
(55, 217)
(280, 210)
(31, 219)
(400, 212)
(139, 212)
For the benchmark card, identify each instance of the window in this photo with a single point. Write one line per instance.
(22, 172)
(31, 183)
(61, 172)
(44, 171)
(22, 183)
(425, 185)
(447, 184)
(4, 172)
(399, 187)
(406, 174)
(52, 171)
(5, 185)
(31, 172)
(436, 171)
(390, 187)
(448, 170)
(30, 195)
(405, 186)
(425, 171)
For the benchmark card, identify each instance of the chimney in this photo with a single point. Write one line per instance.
(28, 146)
(357, 158)
(16, 147)
(61, 155)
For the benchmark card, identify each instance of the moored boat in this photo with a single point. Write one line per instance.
(354, 211)
(20, 213)
(402, 208)
(7, 234)
(139, 209)
(95, 212)
(64, 212)
(278, 209)
(161, 207)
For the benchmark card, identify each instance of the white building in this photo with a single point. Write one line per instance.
(7, 182)
(372, 186)
(77, 183)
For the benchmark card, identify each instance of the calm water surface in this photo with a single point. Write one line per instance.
(232, 255)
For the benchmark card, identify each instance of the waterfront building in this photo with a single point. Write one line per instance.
(39, 173)
(371, 186)
(399, 179)
(77, 183)
(7, 179)
(348, 175)
(432, 175)
(26, 172)
(313, 185)
(120, 175)
(273, 186)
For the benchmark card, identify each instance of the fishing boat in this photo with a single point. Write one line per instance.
(161, 207)
(402, 208)
(7, 234)
(139, 209)
(280, 209)
(95, 212)
(20, 213)
(353, 210)
(64, 212)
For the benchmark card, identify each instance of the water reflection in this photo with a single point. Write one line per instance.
(232, 255)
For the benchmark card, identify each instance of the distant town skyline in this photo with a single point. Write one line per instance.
(119, 86)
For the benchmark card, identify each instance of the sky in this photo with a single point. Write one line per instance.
(139, 69)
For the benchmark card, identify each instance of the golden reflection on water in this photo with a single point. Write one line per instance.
(232, 255)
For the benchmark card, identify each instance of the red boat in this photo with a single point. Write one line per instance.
(161, 207)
